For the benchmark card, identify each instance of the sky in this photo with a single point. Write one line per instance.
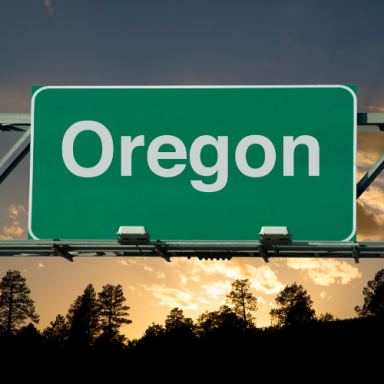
(98, 42)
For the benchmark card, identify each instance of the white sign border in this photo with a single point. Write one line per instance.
(195, 87)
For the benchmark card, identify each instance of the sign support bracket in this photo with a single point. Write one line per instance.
(370, 176)
(62, 252)
(264, 253)
(356, 254)
(163, 253)
(11, 152)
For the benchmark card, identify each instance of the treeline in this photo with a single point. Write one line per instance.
(92, 320)
(92, 326)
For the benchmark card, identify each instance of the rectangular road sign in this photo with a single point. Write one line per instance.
(193, 163)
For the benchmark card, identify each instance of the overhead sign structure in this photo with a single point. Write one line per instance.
(193, 163)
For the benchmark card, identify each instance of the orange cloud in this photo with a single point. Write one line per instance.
(374, 198)
(48, 4)
(204, 301)
(160, 274)
(261, 300)
(147, 268)
(15, 210)
(122, 262)
(372, 108)
(183, 278)
(370, 147)
(171, 297)
(325, 271)
(262, 278)
(15, 230)
(6, 237)
(369, 225)
(370, 206)
(217, 288)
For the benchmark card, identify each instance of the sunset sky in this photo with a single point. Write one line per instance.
(123, 42)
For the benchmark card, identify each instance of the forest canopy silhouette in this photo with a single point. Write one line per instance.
(93, 322)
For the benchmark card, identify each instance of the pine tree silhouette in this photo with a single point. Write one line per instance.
(243, 302)
(84, 318)
(112, 311)
(15, 303)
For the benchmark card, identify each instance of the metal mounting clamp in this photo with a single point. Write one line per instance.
(62, 252)
(263, 253)
(163, 253)
(356, 254)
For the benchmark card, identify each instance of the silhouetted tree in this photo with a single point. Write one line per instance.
(243, 302)
(294, 306)
(112, 311)
(373, 297)
(154, 331)
(15, 303)
(29, 337)
(152, 337)
(176, 321)
(326, 317)
(58, 332)
(224, 319)
(84, 318)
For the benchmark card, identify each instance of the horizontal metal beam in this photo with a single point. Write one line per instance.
(15, 118)
(364, 118)
(15, 121)
(370, 128)
(366, 122)
(370, 122)
(200, 249)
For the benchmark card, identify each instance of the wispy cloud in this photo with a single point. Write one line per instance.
(323, 294)
(216, 288)
(204, 301)
(262, 278)
(171, 297)
(374, 198)
(13, 212)
(6, 237)
(160, 274)
(48, 4)
(184, 278)
(370, 226)
(261, 300)
(325, 271)
(370, 206)
(371, 108)
(136, 263)
(14, 229)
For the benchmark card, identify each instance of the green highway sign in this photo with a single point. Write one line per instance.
(193, 163)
